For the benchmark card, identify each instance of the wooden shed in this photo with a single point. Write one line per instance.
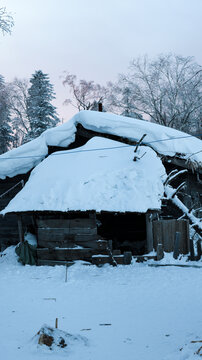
(71, 227)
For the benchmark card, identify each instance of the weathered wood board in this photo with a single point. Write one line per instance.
(41, 262)
(65, 254)
(164, 233)
(66, 223)
(67, 232)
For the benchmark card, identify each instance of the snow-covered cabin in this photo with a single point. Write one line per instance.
(97, 182)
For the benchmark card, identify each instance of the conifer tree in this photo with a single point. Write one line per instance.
(6, 134)
(41, 113)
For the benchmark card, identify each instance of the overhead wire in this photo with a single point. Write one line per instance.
(67, 152)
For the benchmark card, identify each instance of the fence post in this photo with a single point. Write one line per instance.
(176, 251)
(100, 107)
(198, 246)
(159, 252)
(192, 256)
(20, 228)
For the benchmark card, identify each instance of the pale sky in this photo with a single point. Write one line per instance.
(93, 39)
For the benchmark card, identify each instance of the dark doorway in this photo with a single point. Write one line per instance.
(126, 230)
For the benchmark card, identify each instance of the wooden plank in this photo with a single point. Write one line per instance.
(53, 223)
(71, 243)
(176, 250)
(149, 229)
(182, 226)
(198, 247)
(55, 244)
(83, 223)
(192, 254)
(82, 230)
(9, 231)
(100, 259)
(41, 262)
(157, 233)
(66, 223)
(52, 235)
(168, 229)
(142, 258)
(116, 252)
(20, 229)
(119, 259)
(127, 257)
(61, 235)
(85, 237)
(64, 254)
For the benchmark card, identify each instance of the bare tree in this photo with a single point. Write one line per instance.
(168, 90)
(85, 94)
(6, 21)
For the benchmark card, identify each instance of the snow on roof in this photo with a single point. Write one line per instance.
(87, 179)
(163, 140)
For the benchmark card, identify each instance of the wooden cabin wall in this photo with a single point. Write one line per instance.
(66, 232)
(8, 223)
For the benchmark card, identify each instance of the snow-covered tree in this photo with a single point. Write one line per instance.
(85, 95)
(120, 100)
(6, 21)
(41, 113)
(17, 96)
(168, 90)
(6, 134)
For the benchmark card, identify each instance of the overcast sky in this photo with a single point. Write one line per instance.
(95, 40)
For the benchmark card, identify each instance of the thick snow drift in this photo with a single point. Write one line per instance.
(88, 179)
(153, 313)
(162, 139)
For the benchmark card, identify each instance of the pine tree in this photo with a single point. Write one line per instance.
(41, 113)
(6, 134)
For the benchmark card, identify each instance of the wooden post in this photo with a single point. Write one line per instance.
(198, 246)
(149, 230)
(66, 273)
(20, 229)
(100, 107)
(56, 323)
(159, 252)
(192, 255)
(127, 257)
(110, 244)
(176, 251)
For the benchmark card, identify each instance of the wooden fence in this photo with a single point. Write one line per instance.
(164, 233)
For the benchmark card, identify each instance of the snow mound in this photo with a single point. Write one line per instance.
(107, 179)
(9, 258)
(162, 139)
(55, 338)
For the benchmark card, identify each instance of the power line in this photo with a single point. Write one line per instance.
(68, 152)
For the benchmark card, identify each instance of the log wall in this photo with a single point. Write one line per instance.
(66, 233)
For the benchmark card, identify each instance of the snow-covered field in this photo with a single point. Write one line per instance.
(135, 312)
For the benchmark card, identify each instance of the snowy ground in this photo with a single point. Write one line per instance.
(151, 312)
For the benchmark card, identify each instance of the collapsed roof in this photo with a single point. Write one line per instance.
(165, 141)
(101, 175)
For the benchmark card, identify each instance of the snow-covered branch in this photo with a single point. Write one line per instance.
(170, 193)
